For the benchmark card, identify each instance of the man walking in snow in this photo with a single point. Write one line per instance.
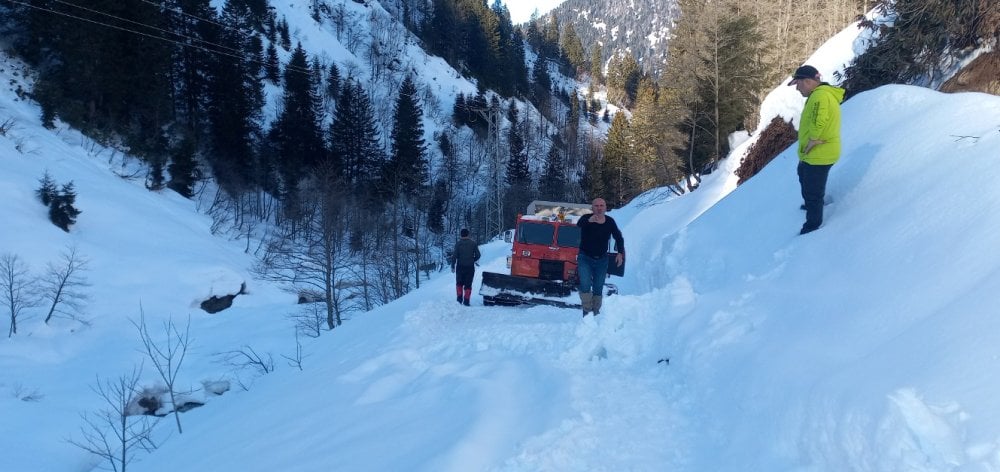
(464, 266)
(819, 140)
(596, 229)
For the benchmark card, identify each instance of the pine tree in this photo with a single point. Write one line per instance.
(62, 211)
(47, 190)
(272, 66)
(542, 81)
(592, 180)
(513, 74)
(475, 107)
(155, 180)
(460, 111)
(596, 65)
(258, 12)
(438, 207)
(271, 27)
(553, 183)
(731, 92)
(99, 79)
(619, 158)
(183, 169)
(518, 174)
(533, 36)
(551, 37)
(571, 132)
(572, 48)
(518, 69)
(333, 82)
(235, 100)
(654, 133)
(623, 79)
(517, 193)
(478, 39)
(449, 163)
(296, 134)
(489, 65)
(440, 32)
(406, 172)
(285, 38)
(923, 41)
(257, 60)
(190, 65)
(354, 139)
(716, 75)
(318, 91)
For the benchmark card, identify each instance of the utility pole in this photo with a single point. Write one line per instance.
(494, 222)
(496, 172)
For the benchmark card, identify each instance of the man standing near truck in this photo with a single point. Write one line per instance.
(596, 230)
(464, 266)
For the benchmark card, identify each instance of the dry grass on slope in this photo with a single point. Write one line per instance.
(980, 75)
(778, 135)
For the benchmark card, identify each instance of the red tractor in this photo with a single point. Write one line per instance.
(542, 263)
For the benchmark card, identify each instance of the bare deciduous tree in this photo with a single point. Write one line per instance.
(296, 360)
(308, 318)
(15, 293)
(62, 286)
(353, 34)
(247, 358)
(6, 124)
(339, 18)
(313, 256)
(116, 432)
(167, 357)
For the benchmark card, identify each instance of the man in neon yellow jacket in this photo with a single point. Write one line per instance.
(819, 140)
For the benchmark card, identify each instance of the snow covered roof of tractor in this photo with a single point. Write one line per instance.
(552, 211)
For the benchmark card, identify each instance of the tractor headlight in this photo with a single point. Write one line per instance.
(526, 253)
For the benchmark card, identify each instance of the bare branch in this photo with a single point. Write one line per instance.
(168, 357)
(15, 293)
(24, 394)
(975, 139)
(62, 285)
(296, 361)
(115, 433)
(6, 125)
(246, 358)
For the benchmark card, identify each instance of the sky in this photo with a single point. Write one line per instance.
(521, 10)
(735, 344)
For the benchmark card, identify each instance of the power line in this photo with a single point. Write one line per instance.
(195, 46)
(126, 20)
(182, 12)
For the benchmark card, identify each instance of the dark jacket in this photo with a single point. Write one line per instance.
(594, 237)
(466, 253)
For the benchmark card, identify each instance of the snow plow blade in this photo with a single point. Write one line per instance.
(508, 290)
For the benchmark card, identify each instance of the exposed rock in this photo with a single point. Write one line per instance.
(189, 405)
(216, 303)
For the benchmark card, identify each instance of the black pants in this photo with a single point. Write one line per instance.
(812, 178)
(464, 275)
(463, 283)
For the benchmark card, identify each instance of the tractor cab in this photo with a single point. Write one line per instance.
(542, 262)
